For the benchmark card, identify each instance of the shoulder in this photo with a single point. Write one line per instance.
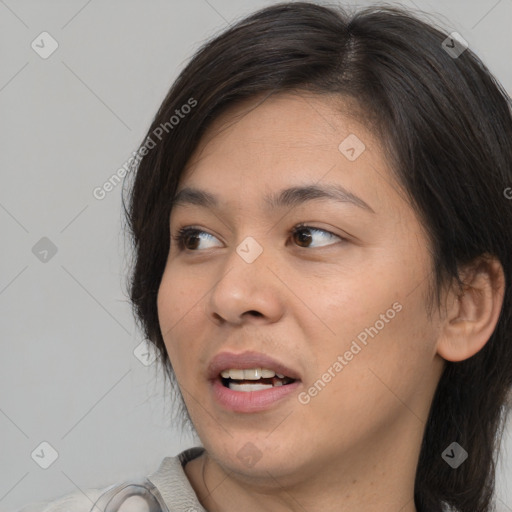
(163, 490)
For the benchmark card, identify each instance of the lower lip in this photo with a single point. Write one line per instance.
(251, 401)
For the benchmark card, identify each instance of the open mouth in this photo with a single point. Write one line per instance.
(250, 389)
(239, 382)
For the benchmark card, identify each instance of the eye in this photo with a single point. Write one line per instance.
(185, 234)
(300, 232)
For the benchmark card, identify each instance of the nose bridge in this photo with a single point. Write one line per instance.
(249, 250)
(248, 262)
(246, 284)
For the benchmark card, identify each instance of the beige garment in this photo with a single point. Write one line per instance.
(170, 480)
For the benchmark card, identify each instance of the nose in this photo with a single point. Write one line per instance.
(249, 289)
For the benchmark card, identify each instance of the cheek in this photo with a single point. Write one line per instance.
(385, 365)
(379, 314)
(174, 306)
(178, 297)
(165, 306)
(399, 350)
(182, 319)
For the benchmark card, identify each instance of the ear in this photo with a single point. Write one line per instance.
(472, 312)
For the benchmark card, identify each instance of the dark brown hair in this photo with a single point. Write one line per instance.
(447, 125)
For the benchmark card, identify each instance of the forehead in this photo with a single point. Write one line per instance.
(271, 144)
(283, 121)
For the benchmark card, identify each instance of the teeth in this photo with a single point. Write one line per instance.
(249, 374)
(249, 387)
(236, 374)
(253, 374)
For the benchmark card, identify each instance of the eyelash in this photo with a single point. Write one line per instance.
(188, 230)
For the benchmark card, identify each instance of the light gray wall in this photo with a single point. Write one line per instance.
(68, 375)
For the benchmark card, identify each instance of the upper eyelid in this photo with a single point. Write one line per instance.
(196, 229)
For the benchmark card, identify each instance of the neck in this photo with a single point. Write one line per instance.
(383, 482)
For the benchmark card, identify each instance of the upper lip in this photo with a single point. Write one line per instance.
(245, 360)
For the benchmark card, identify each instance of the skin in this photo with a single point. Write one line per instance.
(355, 445)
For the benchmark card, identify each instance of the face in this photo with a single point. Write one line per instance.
(333, 288)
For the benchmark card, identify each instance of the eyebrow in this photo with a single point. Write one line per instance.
(286, 198)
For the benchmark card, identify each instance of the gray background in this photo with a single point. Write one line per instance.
(68, 373)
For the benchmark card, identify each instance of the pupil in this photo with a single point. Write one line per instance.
(195, 237)
(303, 235)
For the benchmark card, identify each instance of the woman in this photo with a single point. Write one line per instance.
(322, 246)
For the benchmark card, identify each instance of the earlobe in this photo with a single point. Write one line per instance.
(472, 312)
